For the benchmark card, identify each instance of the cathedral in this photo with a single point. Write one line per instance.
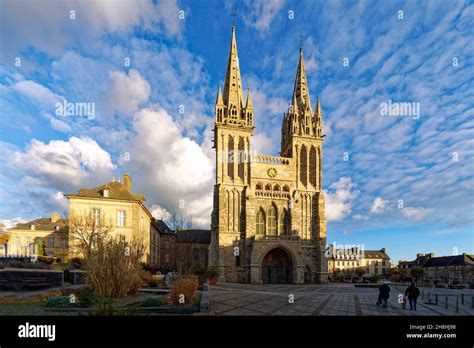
(268, 221)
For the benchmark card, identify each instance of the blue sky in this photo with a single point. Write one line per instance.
(400, 182)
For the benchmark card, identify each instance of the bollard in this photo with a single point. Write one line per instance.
(436, 299)
(446, 303)
(457, 304)
(472, 302)
(462, 298)
(422, 294)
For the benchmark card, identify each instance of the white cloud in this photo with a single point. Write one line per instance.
(9, 223)
(48, 26)
(60, 201)
(159, 213)
(127, 92)
(260, 13)
(339, 199)
(172, 170)
(63, 164)
(380, 206)
(415, 213)
(36, 93)
(262, 144)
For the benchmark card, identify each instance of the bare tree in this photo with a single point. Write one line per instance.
(112, 264)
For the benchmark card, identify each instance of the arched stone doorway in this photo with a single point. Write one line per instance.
(277, 267)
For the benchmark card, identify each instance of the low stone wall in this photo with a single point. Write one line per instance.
(17, 278)
(78, 277)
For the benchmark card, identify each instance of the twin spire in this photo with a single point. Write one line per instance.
(230, 107)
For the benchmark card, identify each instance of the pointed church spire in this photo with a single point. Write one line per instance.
(318, 111)
(219, 100)
(233, 85)
(248, 104)
(301, 91)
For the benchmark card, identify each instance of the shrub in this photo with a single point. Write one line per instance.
(59, 302)
(151, 267)
(152, 302)
(87, 298)
(187, 287)
(145, 276)
(153, 283)
(213, 271)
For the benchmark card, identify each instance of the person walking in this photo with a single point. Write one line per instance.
(412, 292)
(384, 294)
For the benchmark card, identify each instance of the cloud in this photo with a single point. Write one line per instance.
(37, 94)
(339, 199)
(127, 92)
(172, 169)
(415, 213)
(380, 206)
(9, 223)
(49, 26)
(159, 213)
(261, 13)
(360, 217)
(65, 164)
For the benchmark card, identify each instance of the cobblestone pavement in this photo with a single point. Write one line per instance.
(332, 299)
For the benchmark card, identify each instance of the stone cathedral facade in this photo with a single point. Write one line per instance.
(268, 222)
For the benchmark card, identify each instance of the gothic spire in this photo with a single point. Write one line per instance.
(233, 85)
(301, 100)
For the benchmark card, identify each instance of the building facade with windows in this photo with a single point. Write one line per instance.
(433, 270)
(40, 237)
(121, 209)
(348, 264)
(268, 221)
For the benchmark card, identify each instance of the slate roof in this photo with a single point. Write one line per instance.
(194, 236)
(455, 260)
(161, 227)
(116, 189)
(376, 254)
(41, 224)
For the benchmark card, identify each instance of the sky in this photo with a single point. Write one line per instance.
(149, 72)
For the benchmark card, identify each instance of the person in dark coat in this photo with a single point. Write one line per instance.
(412, 292)
(384, 294)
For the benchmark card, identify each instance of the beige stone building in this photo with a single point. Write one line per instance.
(40, 237)
(268, 221)
(123, 210)
(346, 264)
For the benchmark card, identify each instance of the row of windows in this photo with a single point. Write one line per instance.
(273, 225)
(352, 263)
(51, 241)
(121, 217)
(268, 187)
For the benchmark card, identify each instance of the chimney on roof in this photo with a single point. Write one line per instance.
(420, 255)
(383, 250)
(432, 255)
(55, 217)
(127, 182)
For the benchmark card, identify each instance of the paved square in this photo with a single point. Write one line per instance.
(331, 299)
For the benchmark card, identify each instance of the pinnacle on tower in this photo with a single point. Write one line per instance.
(248, 104)
(219, 100)
(233, 85)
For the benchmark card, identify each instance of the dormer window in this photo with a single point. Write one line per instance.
(56, 228)
(33, 227)
(105, 193)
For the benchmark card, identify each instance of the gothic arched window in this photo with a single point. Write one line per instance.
(241, 157)
(312, 166)
(303, 165)
(260, 222)
(230, 158)
(272, 221)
